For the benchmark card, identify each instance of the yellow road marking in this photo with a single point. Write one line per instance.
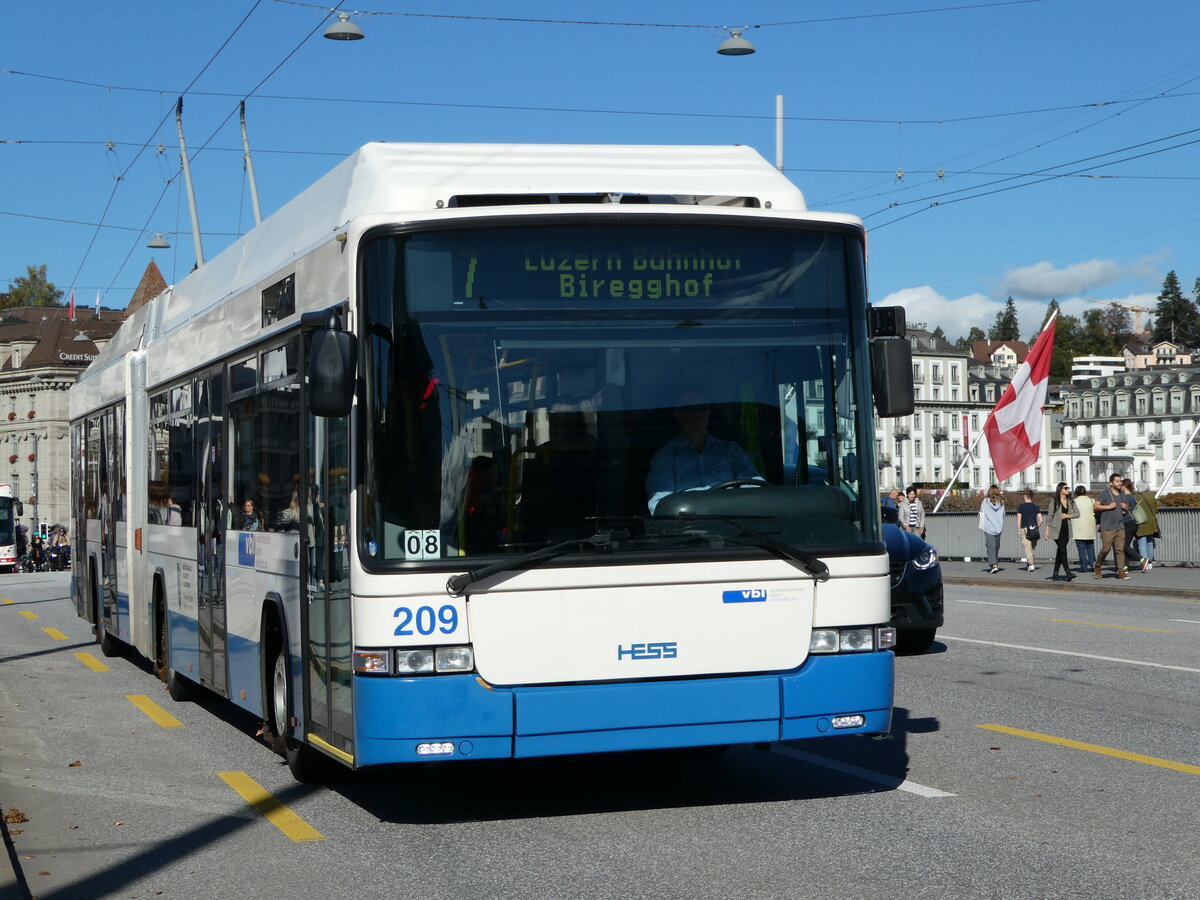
(277, 814)
(29, 615)
(154, 711)
(55, 633)
(92, 663)
(1106, 625)
(1096, 748)
(6, 601)
(1189, 602)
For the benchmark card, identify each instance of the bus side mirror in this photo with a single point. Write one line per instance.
(332, 363)
(20, 507)
(891, 376)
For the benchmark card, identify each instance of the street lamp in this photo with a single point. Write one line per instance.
(735, 44)
(344, 30)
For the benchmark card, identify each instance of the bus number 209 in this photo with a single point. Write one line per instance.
(426, 619)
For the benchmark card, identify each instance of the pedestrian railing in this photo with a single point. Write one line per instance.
(957, 535)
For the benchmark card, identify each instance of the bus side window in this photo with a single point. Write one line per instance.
(180, 453)
(279, 439)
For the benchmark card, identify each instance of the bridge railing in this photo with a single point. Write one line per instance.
(957, 535)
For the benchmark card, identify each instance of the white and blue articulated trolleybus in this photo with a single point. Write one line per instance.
(401, 470)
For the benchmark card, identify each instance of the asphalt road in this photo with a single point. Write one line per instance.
(1047, 747)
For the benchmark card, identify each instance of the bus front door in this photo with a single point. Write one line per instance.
(210, 550)
(326, 579)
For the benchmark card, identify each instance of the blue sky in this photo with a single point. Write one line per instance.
(1020, 107)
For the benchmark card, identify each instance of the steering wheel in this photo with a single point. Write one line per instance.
(739, 482)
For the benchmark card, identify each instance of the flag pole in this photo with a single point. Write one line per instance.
(953, 478)
(1178, 462)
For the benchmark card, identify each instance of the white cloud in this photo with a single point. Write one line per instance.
(1042, 281)
(924, 305)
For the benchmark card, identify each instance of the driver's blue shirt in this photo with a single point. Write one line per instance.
(678, 467)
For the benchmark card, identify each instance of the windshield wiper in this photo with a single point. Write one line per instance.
(601, 541)
(808, 561)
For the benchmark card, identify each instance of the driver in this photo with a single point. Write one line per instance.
(694, 460)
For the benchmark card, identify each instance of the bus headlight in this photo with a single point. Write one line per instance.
(454, 659)
(857, 640)
(851, 640)
(431, 660)
(823, 640)
(414, 662)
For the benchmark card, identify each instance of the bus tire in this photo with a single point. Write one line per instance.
(307, 765)
(180, 689)
(109, 645)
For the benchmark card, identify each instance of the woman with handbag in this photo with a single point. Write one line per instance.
(1058, 529)
(1029, 528)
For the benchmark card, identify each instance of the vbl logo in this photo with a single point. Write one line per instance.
(746, 595)
(658, 650)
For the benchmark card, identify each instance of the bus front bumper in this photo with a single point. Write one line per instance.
(460, 717)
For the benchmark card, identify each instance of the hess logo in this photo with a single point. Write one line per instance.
(658, 650)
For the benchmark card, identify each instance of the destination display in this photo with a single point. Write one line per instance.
(641, 273)
(619, 266)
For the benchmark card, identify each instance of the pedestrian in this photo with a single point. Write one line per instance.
(1063, 511)
(1084, 529)
(891, 505)
(1147, 530)
(1130, 524)
(912, 512)
(1112, 533)
(1029, 528)
(991, 523)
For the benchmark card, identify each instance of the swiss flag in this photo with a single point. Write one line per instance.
(1014, 429)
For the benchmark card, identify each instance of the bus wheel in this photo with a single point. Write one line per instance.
(306, 764)
(109, 645)
(180, 688)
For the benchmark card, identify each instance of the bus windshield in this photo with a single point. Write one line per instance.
(687, 389)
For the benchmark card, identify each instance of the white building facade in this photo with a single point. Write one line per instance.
(1135, 423)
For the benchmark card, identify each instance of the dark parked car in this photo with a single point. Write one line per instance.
(916, 587)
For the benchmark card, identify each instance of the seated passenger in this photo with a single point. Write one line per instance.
(694, 459)
(250, 520)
